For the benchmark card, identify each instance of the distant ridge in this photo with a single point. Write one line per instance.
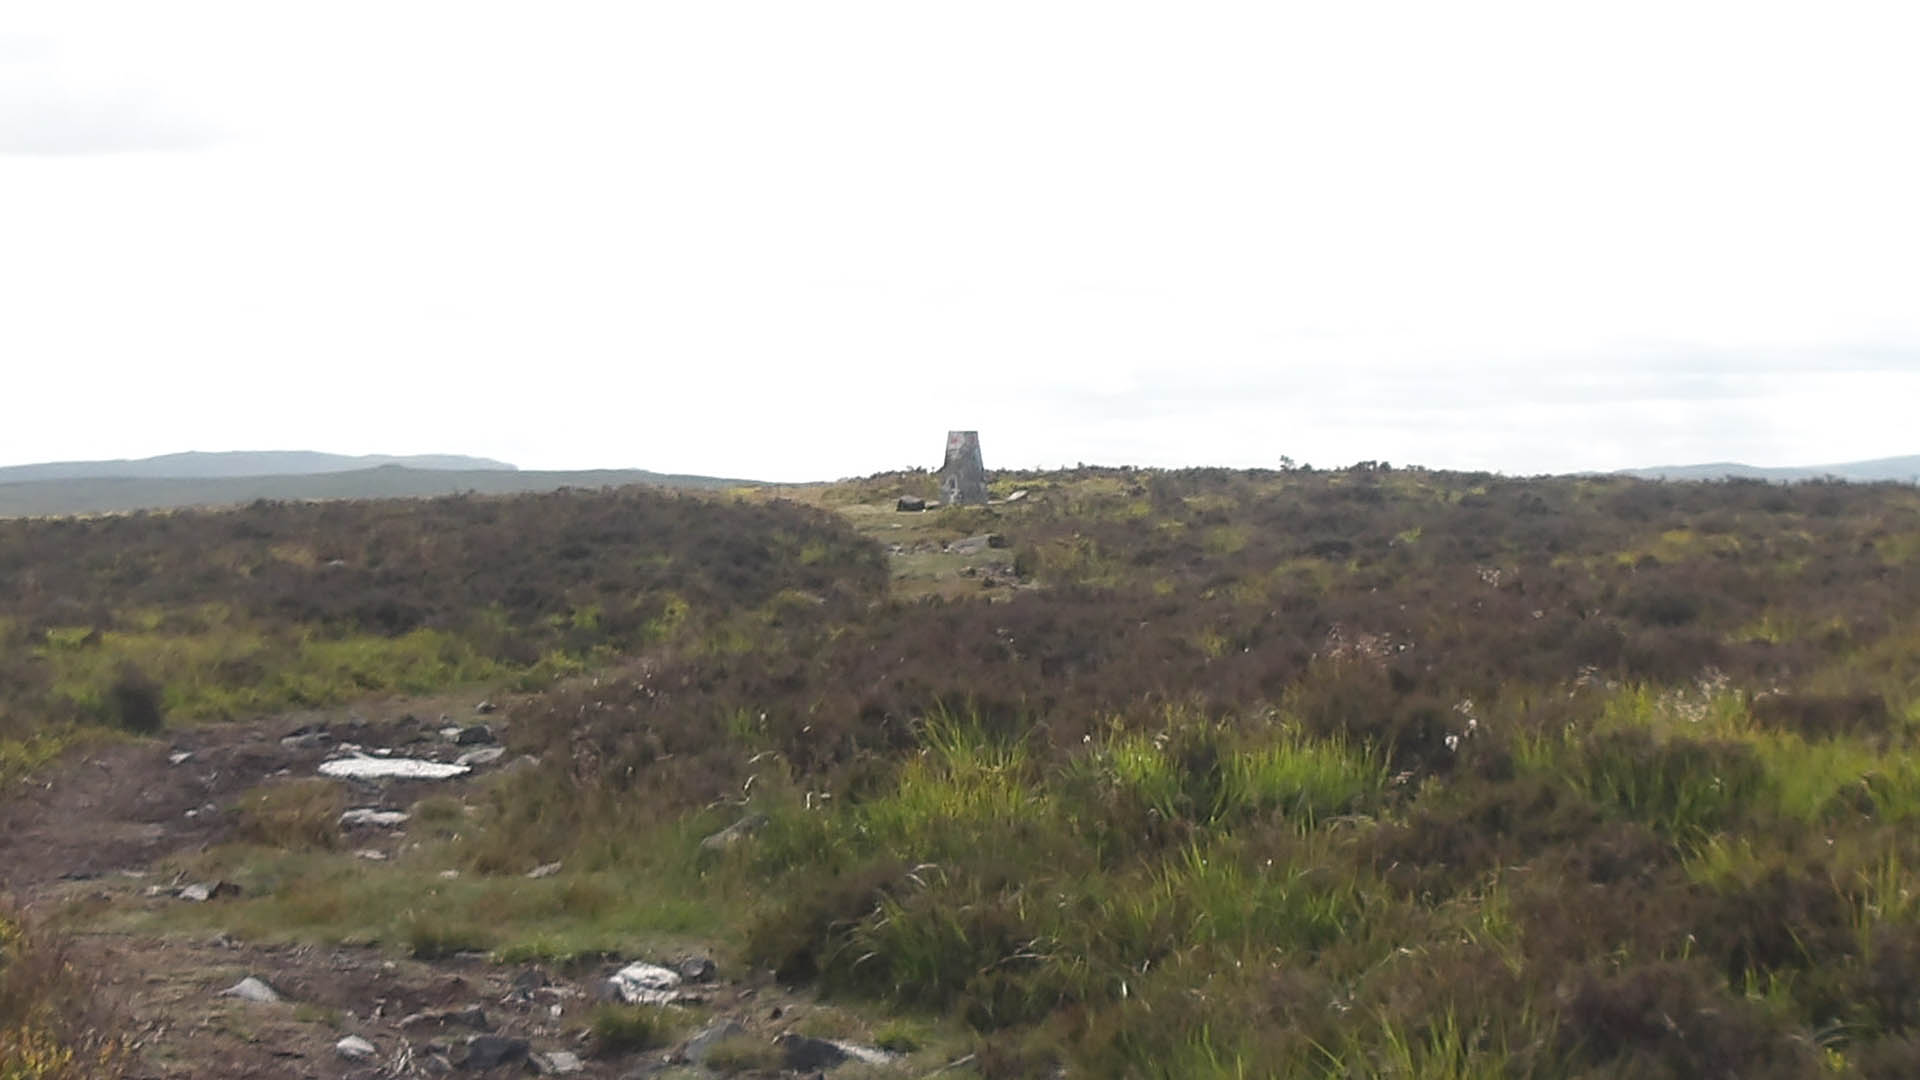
(1901, 469)
(198, 465)
(115, 494)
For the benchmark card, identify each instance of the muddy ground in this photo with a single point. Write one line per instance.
(84, 839)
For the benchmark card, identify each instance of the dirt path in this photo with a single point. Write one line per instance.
(85, 838)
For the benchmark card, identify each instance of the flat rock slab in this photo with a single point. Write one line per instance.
(803, 1052)
(486, 755)
(372, 816)
(372, 768)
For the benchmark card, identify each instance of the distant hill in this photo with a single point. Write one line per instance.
(1902, 469)
(107, 494)
(196, 465)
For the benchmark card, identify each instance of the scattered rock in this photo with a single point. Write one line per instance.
(974, 545)
(484, 708)
(491, 1051)
(473, 1016)
(370, 855)
(307, 739)
(484, 756)
(449, 875)
(528, 981)
(544, 870)
(909, 504)
(803, 1052)
(556, 1063)
(712, 1035)
(695, 968)
(734, 834)
(179, 757)
(474, 735)
(200, 892)
(355, 1048)
(252, 989)
(1016, 496)
(368, 816)
(372, 768)
(645, 984)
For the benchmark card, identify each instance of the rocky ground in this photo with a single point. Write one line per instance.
(89, 838)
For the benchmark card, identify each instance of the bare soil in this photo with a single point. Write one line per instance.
(82, 841)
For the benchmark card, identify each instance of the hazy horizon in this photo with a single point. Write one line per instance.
(803, 242)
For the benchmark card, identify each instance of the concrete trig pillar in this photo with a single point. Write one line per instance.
(963, 479)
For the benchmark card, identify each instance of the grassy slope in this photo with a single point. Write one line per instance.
(1353, 774)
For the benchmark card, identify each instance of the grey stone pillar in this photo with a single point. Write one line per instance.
(963, 479)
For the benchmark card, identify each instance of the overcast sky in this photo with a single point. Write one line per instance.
(802, 240)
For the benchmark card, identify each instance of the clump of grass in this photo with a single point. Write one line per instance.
(55, 1020)
(743, 1054)
(296, 815)
(430, 935)
(625, 1029)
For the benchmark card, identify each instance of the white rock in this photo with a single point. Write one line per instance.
(367, 815)
(646, 984)
(355, 1048)
(371, 768)
(544, 870)
(252, 989)
(484, 756)
(557, 1063)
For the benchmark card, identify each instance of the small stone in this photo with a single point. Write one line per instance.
(702, 1044)
(449, 875)
(490, 1051)
(909, 504)
(474, 735)
(473, 1016)
(484, 708)
(803, 1052)
(486, 755)
(307, 739)
(695, 968)
(200, 892)
(734, 834)
(355, 1048)
(370, 855)
(556, 1063)
(544, 870)
(179, 757)
(368, 816)
(252, 989)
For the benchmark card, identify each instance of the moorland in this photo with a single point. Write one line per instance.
(1369, 772)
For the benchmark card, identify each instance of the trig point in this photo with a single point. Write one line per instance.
(963, 479)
